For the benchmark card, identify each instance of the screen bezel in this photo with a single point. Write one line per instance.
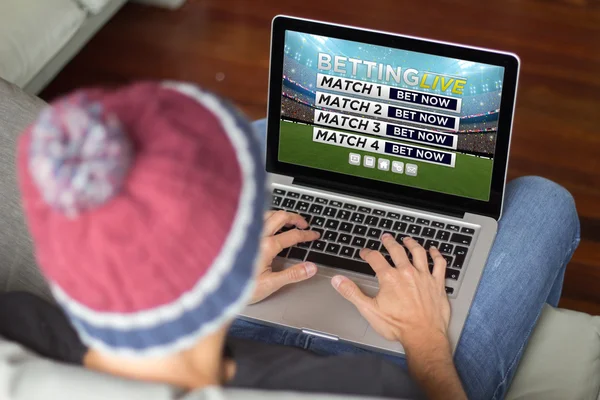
(373, 189)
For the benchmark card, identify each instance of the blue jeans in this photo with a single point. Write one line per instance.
(537, 235)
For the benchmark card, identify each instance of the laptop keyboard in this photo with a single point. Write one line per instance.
(346, 228)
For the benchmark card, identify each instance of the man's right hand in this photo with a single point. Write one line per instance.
(412, 304)
(411, 307)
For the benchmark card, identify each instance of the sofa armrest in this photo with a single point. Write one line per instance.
(18, 270)
(562, 358)
(93, 6)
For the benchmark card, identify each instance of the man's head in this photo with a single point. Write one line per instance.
(145, 206)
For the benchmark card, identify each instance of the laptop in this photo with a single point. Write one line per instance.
(372, 132)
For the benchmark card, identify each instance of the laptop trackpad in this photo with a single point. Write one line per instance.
(315, 304)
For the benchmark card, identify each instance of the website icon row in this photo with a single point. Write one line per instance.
(383, 164)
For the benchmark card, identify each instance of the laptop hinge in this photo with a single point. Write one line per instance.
(319, 334)
(342, 189)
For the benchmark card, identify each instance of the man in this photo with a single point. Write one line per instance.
(145, 208)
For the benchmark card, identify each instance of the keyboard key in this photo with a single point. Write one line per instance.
(460, 251)
(315, 209)
(388, 258)
(307, 217)
(373, 244)
(297, 254)
(436, 224)
(459, 261)
(304, 245)
(366, 210)
(419, 240)
(307, 197)
(385, 223)
(293, 195)
(276, 201)
(461, 239)
(330, 235)
(374, 233)
(449, 290)
(344, 238)
(319, 245)
(359, 230)
(371, 220)
(333, 248)
(448, 260)
(332, 224)
(423, 221)
(346, 227)
(335, 203)
(400, 226)
(276, 209)
(357, 254)
(350, 207)
(359, 241)
(414, 230)
(468, 231)
(358, 218)
(343, 215)
(341, 263)
(381, 213)
(429, 232)
(318, 221)
(446, 248)
(347, 251)
(330, 212)
(288, 203)
(318, 230)
(393, 215)
(443, 235)
(454, 228)
(279, 192)
(284, 252)
(321, 200)
(400, 237)
(452, 274)
(430, 243)
(408, 218)
(302, 206)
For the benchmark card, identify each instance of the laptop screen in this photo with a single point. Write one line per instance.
(391, 115)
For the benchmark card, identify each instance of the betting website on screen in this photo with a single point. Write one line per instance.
(392, 115)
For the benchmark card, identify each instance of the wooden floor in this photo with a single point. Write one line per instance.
(223, 45)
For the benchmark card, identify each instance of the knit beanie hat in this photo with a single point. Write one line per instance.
(145, 206)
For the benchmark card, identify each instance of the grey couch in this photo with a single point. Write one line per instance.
(562, 360)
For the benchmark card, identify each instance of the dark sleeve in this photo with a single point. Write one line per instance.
(264, 366)
(40, 326)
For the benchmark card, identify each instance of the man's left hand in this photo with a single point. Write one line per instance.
(268, 281)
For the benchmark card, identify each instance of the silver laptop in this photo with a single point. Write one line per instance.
(372, 132)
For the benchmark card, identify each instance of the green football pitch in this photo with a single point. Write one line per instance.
(471, 176)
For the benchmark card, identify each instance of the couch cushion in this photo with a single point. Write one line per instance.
(18, 270)
(32, 32)
(562, 359)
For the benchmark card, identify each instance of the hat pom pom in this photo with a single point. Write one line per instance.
(79, 155)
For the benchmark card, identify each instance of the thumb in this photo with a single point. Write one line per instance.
(297, 273)
(350, 291)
